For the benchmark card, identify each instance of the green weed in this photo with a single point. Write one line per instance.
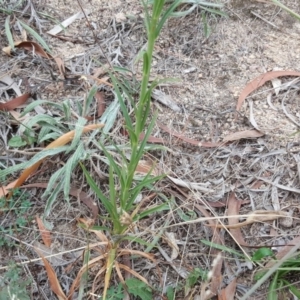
(17, 207)
(290, 11)
(13, 285)
(281, 279)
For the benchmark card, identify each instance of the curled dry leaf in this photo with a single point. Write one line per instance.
(171, 240)
(46, 236)
(246, 134)
(54, 283)
(260, 81)
(28, 45)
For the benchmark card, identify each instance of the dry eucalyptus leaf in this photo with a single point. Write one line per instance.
(171, 240)
(58, 28)
(246, 134)
(276, 83)
(165, 100)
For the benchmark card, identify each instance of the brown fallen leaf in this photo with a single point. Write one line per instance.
(61, 66)
(188, 140)
(246, 134)
(257, 216)
(99, 96)
(229, 292)
(28, 45)
(14, 103)
(234, 206)
(260, 81)
(46, 236)
(54, 283)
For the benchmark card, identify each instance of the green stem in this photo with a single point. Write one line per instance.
(110, 265)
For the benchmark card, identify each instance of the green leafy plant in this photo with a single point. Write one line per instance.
(13, 285)
(284, 7)
(194, 276)
(123, 189)
(18, 206)
(280, 280)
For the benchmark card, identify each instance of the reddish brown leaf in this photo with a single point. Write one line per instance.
(229, 292)
(32, 46)
(260, 81)
(61, 66)
(234, 206)
(246, 134)
(152, 139)
(46, 236)
(99, 96)
(54, 283)
(188, 140)
(13, 103)
(82, 196)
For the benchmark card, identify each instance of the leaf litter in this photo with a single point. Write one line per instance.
(225, 164)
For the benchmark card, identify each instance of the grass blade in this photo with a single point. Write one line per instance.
(36, 36)
(8, 33)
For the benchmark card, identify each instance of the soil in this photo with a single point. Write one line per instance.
(211, 71)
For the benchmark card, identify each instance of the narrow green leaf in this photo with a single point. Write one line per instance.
(9, 34)
(294, 290)
(122, 103)
(36, 36)
(221, 247)
(152, 210)
(89, 100)
(112, 187)
(35, 103)
(272, 291)
(166, 15)
(214, 11)
(105, 201)
(78, 132)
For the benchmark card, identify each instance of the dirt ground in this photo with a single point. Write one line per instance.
(261, 173)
